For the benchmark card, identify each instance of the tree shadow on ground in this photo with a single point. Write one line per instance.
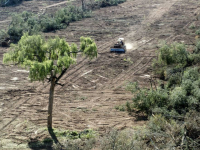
(45, 144)
(53, 136)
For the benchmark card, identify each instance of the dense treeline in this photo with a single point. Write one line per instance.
(32, 23)
(4, 3)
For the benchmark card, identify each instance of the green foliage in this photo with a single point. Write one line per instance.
(198, 32)
(120, 108)
(182, 98)
(79, 144)
(30, 23)
(146, 100)
(44, 56)
(70, 14)
(174, 79)
(106, 3)
(88, 47)
(48, 24)
(159, 133)
(178, 99)
(171, 56)
(21, 23)
(118, 140)
(71, 135)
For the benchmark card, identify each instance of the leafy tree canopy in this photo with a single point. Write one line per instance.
(42, 56)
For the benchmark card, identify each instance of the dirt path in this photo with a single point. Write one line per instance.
(94, 88)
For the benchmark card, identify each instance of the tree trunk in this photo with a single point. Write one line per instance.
(51, 94)
(83, 5)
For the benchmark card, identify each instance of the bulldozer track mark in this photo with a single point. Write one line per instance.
(131, 73)
(121, 76)
(17, 107)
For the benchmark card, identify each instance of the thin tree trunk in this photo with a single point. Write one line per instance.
(51, 95)
(83, 6)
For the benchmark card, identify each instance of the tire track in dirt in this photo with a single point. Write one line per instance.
(75, 74)
(10, 112)
(153, 16)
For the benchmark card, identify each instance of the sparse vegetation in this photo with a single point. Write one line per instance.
(120, 108)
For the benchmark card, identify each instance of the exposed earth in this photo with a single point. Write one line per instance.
(94, 88)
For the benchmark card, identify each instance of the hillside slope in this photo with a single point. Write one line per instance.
(93, 88)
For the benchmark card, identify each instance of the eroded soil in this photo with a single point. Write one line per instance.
(93, 88)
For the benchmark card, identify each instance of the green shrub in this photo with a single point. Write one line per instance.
(174, 79)
(178, 99)
(120, 108)
(118, 140)
(27, 22)
(171, 59)
(184, 96)
(192, 74)
(106, 3)
(146, 100)
(73, 140)
(173, 54)
(21, 23)
(70, 14)
(198, 32)
(48, 24)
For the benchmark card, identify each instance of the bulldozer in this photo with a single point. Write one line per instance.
(119, 47)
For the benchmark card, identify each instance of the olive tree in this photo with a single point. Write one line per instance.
(48, 59)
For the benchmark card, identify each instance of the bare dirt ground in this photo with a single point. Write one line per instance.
(93, 88)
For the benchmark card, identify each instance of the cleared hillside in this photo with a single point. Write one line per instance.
(93, 88)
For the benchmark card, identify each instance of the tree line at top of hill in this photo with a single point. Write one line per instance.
(33, 24)
(4, 3)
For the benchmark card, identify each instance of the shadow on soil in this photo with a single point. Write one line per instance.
(45, 144)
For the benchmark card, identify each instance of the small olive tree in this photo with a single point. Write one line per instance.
(48, 59)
